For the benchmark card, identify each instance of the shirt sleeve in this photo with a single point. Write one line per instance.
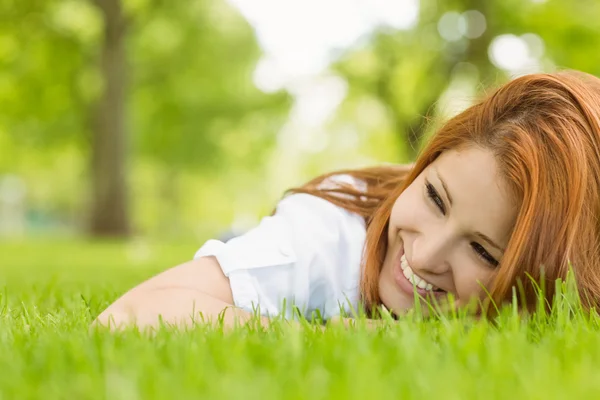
(293, 258)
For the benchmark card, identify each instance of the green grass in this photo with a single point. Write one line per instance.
(51, 291)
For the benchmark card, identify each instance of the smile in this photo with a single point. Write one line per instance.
(408, 281)
(413, 278)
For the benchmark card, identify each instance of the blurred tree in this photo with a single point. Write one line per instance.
(170, 82)
(109, 214)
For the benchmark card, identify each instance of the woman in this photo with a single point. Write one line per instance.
(505, 194)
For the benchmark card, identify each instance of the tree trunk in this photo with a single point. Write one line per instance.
(109, 212)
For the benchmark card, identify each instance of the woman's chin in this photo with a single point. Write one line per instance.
(393, 299)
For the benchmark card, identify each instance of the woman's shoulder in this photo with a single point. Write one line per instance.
(309, 250)
(338, 181)
(320, 227)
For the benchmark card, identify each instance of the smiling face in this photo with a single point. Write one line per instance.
(447, 230)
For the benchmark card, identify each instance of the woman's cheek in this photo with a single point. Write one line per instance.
(471, 280)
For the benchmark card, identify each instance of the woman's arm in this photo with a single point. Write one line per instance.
(196, 291)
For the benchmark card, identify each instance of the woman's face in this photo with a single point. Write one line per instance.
(447, 231)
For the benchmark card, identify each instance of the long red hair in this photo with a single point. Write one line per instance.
(544, 130)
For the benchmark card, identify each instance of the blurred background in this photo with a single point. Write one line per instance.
(184, 120)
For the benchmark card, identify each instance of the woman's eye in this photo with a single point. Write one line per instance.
(484, 255)
(435, 197)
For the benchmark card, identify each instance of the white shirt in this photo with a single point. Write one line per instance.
(307, 255)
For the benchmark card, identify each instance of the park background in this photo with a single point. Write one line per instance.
(131, 131)
(170, 121)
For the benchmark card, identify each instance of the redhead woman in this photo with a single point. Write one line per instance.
(508, 191)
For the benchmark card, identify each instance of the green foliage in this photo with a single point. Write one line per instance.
(43, 52)
(193, 100)
(407, 72)
(191, 77)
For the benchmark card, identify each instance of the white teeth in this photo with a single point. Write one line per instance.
(415, 279)
(412, 278)
(404, 263)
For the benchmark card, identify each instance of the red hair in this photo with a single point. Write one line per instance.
(544, 131)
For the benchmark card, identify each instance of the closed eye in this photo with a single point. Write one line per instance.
(435, 197)
(484, 255)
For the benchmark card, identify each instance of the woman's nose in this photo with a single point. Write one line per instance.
(430, 253)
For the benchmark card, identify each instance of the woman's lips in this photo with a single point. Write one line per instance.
(405, 285)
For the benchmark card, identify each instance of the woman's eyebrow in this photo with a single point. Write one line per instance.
(489, 241)
(444, 186)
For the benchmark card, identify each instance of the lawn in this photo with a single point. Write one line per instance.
(51, 291)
